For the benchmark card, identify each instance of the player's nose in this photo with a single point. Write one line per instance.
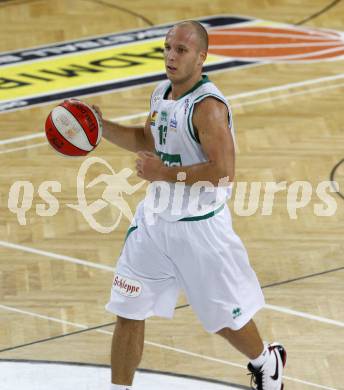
(171, 55)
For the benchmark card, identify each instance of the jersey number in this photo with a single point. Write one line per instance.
(162, 134)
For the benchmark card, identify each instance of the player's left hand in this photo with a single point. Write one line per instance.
(149, 166)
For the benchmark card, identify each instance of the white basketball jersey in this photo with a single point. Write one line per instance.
(177, 144)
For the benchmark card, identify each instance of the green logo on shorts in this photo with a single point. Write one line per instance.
(236, 312)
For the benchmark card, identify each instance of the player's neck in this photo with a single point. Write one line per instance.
(179, 90)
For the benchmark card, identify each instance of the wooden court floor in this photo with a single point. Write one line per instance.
(56, 272)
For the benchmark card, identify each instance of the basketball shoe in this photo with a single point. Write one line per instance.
(269, 376)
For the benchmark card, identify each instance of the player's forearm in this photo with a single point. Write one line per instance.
(208, 171)
(130, 138)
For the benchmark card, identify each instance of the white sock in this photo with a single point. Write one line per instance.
(261, 359)
(120, 387)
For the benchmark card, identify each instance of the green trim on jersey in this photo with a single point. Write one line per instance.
(206, 216)
(204, 80)
(130, 230)
(197, 100)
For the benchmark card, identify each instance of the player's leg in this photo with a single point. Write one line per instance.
(224, 291)
(266, 361)
(126, 351)
(246, 340)
(144, 285)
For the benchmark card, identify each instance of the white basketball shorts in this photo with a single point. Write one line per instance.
(203, 257)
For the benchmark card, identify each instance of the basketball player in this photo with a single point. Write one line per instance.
(189, 137)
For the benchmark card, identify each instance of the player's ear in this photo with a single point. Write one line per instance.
(202, 57)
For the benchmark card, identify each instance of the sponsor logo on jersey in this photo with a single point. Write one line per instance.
(153, 118)
(163, 117)
(127, 287)
(106, 63)
(173, 122)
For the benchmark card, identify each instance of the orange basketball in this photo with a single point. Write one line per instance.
(73, 128)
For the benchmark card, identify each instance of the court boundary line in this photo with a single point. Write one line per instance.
(288, 95)
(299, 278)
(56, 256)
(162, 346)
(323, 11)
(23, 148)
(301, 314)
